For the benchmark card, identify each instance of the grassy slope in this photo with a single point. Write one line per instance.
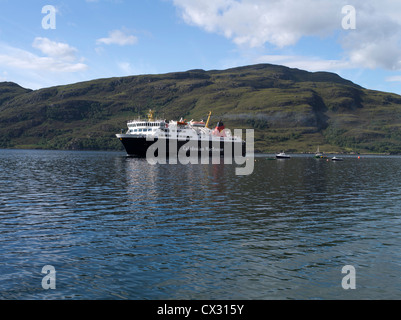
(289, 109)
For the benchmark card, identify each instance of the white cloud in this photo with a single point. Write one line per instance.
(3, 76)
(118, 37)
(306, 63)
(139, 67)
(57, 50)
(57, 64)
(375, 43)
(60, 57)
(256, 22)
(394, 79)
(125, 67)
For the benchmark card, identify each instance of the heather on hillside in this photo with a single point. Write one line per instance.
(289, 109)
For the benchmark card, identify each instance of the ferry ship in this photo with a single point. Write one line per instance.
(193, 137)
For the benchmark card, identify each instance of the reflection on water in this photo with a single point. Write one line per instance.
(119, 228)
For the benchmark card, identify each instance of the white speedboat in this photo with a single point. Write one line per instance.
(337, 159)
(282, 155)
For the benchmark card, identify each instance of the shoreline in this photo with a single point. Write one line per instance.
(257, 152)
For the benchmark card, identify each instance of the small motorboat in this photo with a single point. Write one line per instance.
(282, 155)
(337, 159)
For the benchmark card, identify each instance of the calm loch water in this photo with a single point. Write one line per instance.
(118, 228)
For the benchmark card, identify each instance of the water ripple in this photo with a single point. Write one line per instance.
(119, 228)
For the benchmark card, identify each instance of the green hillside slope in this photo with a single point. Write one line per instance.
(289, 109)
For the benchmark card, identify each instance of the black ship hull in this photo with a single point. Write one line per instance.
(138, 147)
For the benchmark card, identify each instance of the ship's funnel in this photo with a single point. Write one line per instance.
(220, 126)
(219, 130)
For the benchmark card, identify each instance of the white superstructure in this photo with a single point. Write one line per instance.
(181, 130)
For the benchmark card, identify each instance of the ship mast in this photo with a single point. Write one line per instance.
(208, 119)
(151, 115)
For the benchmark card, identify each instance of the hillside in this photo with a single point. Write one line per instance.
(289, 109)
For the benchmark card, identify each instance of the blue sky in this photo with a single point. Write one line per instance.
(110, 38)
